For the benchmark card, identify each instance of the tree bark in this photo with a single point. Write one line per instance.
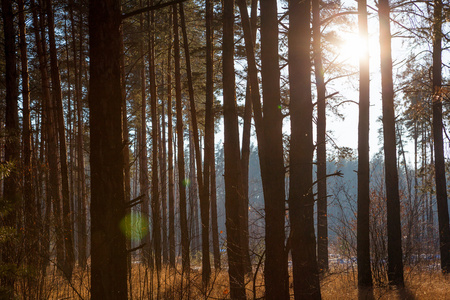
(180, 147)
(322, 216)
(11, 195)
(363, 234)
(395, 263)
(301, 199)
(156, 205)
(30, 206)
(272, 166)
(69, 258)
(108, 243)
(439, 162)
(233, 197)
(171, 178)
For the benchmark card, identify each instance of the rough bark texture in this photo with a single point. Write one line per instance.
(301, 199)
(439, 162)
(156, 205)
(272, 166)
(108, 243)
(67, 231)
(322, 216)
(180, 140)
(395, 263)
(11, 195)
(170, 161)
(362, 235)
(30, 208)
(233, 197)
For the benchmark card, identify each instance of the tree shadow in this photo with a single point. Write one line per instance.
(365, 293)
(405, 293)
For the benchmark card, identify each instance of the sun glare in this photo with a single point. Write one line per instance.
(352, 48)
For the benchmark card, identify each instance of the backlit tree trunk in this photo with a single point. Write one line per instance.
(301, 199)
(439, 162)
(362, 235)
(395, 263)
(108, 243)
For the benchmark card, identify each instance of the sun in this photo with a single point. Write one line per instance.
(351, 48)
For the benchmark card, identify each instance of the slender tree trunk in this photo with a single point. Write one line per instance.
(233, 197)
(204, 199)
(156, 206)
(272, 166)
(69, 259)
(363, 235)
(11, 196)
(208, 164)
(322, 216)
(214, 225)
(439, 163)
(180, 147)
(143, 160)
(51, 149)
(163, 174)
(171, 179)
(395, 263)
(108, 243)
(31, 220)
(81, 186)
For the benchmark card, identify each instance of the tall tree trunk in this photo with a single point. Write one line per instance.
(363, 235)
(395, 263)
(322, 216)
(69, 259)
(108, 243)
(208, 164)
(204, 199)
(156, 210)
(11, 196)
(233, 197)
(180, 147)
(143, 158)
(272, 166)
(31, 221)
(53, 187)
(81, 185)
(249, 37)
(163, 174)
(301, 199)
(171, 179)
(439, 163)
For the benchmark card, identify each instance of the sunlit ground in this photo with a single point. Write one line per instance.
(340, 283)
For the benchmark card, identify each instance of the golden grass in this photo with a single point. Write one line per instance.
(336, 285)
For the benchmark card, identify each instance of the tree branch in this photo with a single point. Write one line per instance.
(150, 8)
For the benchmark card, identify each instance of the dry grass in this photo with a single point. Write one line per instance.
(418, 285)
(340, 284)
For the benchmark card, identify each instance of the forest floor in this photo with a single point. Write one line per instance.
(338, 284)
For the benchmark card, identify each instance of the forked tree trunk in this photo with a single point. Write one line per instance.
(233, 196)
